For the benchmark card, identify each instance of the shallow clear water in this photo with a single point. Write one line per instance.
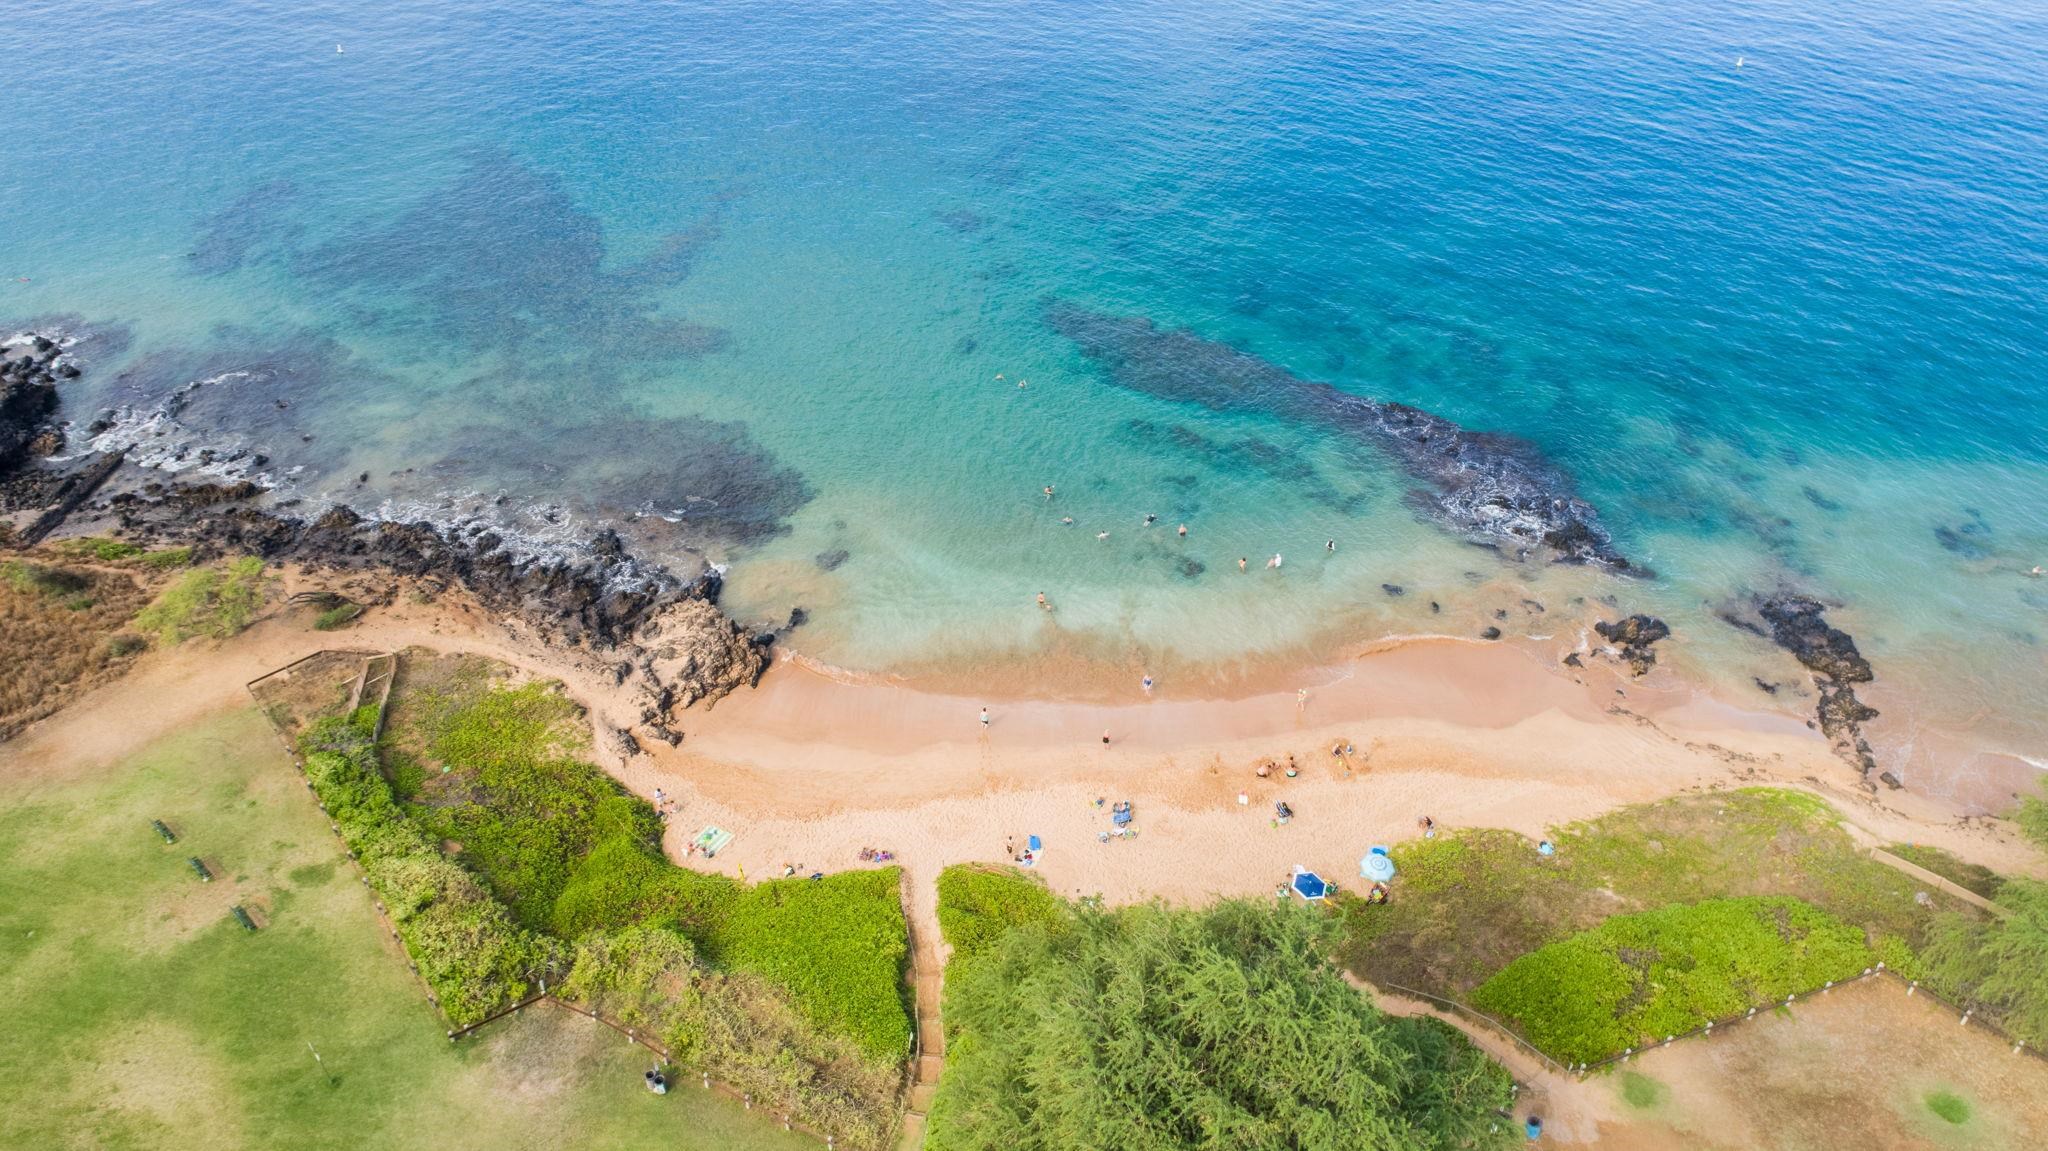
(757, 269)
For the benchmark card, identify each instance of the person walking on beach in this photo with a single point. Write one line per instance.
(984, 716)
(1105, 737)
(1301, 699)
(1148, 683)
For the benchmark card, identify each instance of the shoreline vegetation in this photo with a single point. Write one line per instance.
(1135, 993)
(506, 862)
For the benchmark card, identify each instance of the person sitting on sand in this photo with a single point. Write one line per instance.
(1264, 770)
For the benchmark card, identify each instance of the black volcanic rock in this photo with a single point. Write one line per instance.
(1798, 624)
(1633, 636)
(1492, 489)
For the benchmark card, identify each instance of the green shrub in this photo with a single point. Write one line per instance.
(98, 548)
(466, 947)
(2032, 817)
(124, 644)
(1153, 1027)
(214, 601)
(837, 944)
(1999, 965)
(41, 579)
(571, 852)
(335, 617)
(625, 881)
(166, 558)
(1636, 979)
(978, 905)
(744, 1031)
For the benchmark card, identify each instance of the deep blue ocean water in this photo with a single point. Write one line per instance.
(1769, 282)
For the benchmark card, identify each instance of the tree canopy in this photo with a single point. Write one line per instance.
(1154, 1028)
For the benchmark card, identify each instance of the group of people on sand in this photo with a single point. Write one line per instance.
(664, 806)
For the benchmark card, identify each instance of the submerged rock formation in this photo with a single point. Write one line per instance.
(1798, 624)
(1633, 637)
(1493, 489)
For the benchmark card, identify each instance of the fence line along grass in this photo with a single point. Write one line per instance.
(790, 991)
(1636, 979)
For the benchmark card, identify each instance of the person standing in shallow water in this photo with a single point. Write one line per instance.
(1241, 561)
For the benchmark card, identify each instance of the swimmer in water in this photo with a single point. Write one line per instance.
(1240, 563)
(1149, 518)
(1048, 491)
(1330, 546)
(1042, 603)
(1102, 535)
(1067, 520)
(1275, 561)
(1183, 531)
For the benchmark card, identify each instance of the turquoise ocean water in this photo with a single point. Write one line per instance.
(1770, 283)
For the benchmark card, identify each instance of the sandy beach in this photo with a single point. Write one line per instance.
(807, 769)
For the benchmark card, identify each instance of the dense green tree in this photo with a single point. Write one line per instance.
(1999, 964)
(1155, 1028)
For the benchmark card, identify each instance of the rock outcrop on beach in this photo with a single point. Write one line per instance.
(1632, 638)
(1493, 489)
(29, 371)
(1798, 624)
(663, 639)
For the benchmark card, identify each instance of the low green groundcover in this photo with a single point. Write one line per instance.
(1636, 979)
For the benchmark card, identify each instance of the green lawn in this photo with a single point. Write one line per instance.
(140, 1015)
(1472, 901)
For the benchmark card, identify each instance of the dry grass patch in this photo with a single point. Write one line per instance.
(60, 626)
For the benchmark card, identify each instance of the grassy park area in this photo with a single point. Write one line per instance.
(141, 1015)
